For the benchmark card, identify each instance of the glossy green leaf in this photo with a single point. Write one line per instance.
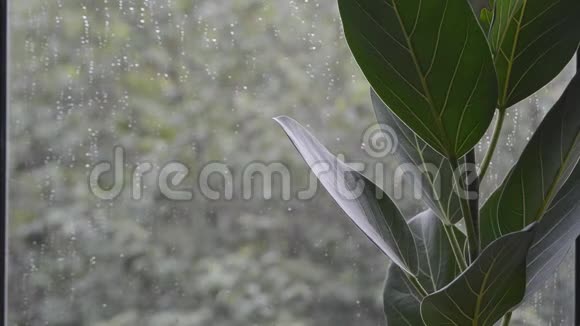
(430, 62)
(492, 286)
(555, 234)
(545, 164)
(401, 302)
(364, 203)
(532, 41)
(420, 159)
(438, 268)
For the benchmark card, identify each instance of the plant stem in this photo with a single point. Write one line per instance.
(472, 235)
(417, 285)
(494, 140)
(455, 247)
(473, 188)
(507, 319)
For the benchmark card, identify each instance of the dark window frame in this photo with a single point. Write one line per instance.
(4, 174)
(3, 144)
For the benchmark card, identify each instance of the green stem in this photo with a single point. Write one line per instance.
(507, 319)
(417, 285)
(473, 188)
(472, 235)
(494, 140)
(455, 247)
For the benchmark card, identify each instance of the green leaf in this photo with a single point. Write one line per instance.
(365, 203)
(486, 18)
(555, 235)
(437, 264)
(492, 286)
(437, 184)
(401, 302)
(543, 167)
(532, 41)
(430, 62)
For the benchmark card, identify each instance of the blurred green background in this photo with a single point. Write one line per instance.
(197, 81)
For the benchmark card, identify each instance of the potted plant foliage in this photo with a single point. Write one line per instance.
(439, 73)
